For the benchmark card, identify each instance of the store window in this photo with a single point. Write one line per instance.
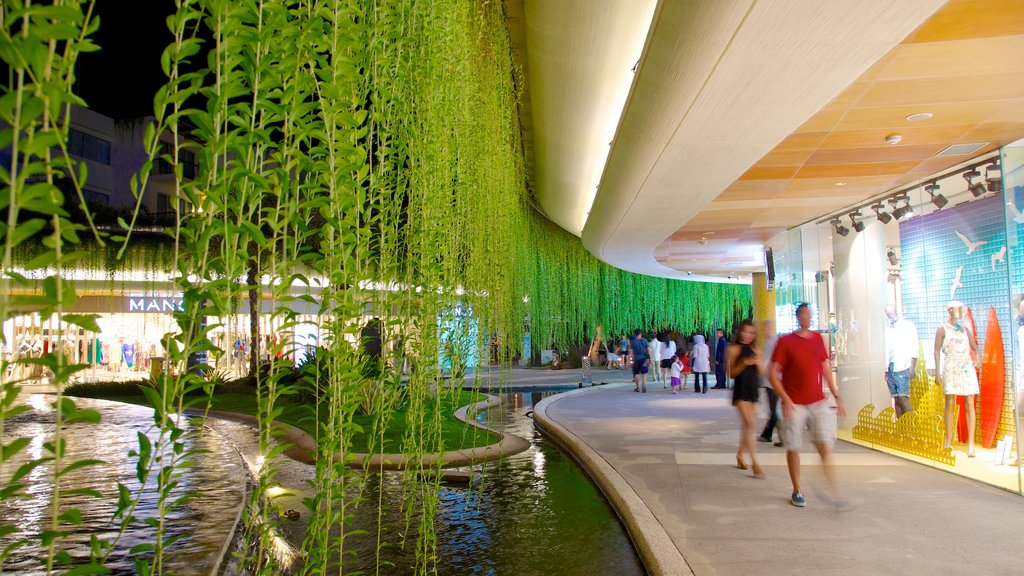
(918, 380)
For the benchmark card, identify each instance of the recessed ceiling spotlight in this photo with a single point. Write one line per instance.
(919, 116)
(840, 183)
(894, 139)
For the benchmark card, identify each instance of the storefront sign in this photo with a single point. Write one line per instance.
(166, 304)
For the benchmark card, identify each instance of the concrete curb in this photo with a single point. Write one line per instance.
(656, 549)
(302, 447)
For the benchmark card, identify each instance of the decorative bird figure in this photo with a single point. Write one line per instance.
(971, 246)
(999, 257)
(1017, 216)
(956, 281)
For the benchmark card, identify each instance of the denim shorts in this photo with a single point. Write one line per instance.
(899, 382)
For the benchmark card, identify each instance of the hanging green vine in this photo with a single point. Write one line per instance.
(360, 157)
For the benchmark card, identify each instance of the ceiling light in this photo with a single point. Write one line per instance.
(840, 183)
(894, 139)
(938, 199)
(919, 116)
(839, 228)
(976, 189)
(901, 212)
(858, 225)
(883, 217)
(891, 255)
(994, 183)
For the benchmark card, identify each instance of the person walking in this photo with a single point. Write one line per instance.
(641, 362)
(701, 364)
(720, 364)
(768, 340)
(668, 350)
(744, 360)
(799, 364)
(654, 353)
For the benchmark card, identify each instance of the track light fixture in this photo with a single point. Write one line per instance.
(901, 212)
(938, 199)
(858, 225)
(891, 255)
(883, 217)
(837, 225)
(975, 188)
(994, 182)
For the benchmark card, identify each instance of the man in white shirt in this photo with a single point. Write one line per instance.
(901, 358)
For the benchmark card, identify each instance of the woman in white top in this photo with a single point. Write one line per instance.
(701, 364)
(654, 353)
(668, 350)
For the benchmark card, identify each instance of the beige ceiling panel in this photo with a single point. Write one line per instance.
(822, 121)
(1012, 112)
(769, 172)
(849, 97)
(778, 157)
(852, 170)
(875, 155)
(744, 195)
(865, 181)
(961, 19)
(802, 141)
(895, 117)
(926, 91)
(998, 133)
(749, 204)
(941, 134)
(963, 58)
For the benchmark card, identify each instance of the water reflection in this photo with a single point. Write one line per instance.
(216, 479)
(533, 513)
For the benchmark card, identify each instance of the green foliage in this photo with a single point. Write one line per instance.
(343, 145)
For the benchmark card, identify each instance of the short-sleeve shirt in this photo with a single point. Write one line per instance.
(801, 361)
(639, 348)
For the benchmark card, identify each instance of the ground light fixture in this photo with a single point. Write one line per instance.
(880, 214)
(858, 225)
(975, 188)
(837, 225)
(938, 199)
(994, 182)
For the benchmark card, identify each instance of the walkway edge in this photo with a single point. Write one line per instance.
(655, 547)
(302, 447)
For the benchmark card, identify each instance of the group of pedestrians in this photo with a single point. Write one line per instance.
(664, 362)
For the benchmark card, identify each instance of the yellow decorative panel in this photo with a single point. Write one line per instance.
(921, 432)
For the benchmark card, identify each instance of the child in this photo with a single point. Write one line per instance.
(687, 368)
(677, 368)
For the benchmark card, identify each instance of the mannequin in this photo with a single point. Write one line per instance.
(958, 376)
(901, 358)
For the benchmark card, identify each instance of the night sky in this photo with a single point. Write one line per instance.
(121, 79)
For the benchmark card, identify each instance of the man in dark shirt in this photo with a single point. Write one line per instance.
(720, 375)
(638, 350)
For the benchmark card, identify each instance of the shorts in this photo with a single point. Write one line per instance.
(675, 382)
(666, 363)
(639, 366)
(822, 420)
(899, 382)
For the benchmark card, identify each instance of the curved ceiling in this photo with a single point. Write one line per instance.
(725, 91)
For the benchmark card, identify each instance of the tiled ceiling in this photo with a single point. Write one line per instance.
(964, 65)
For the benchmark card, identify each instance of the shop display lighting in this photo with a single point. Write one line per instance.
(858, 225)
(994, 183)
(837, 225)
(938, 199)
(891, 255)
(901, 212)
(883, 217)
(975, 188)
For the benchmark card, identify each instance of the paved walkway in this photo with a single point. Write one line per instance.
(678, 454)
